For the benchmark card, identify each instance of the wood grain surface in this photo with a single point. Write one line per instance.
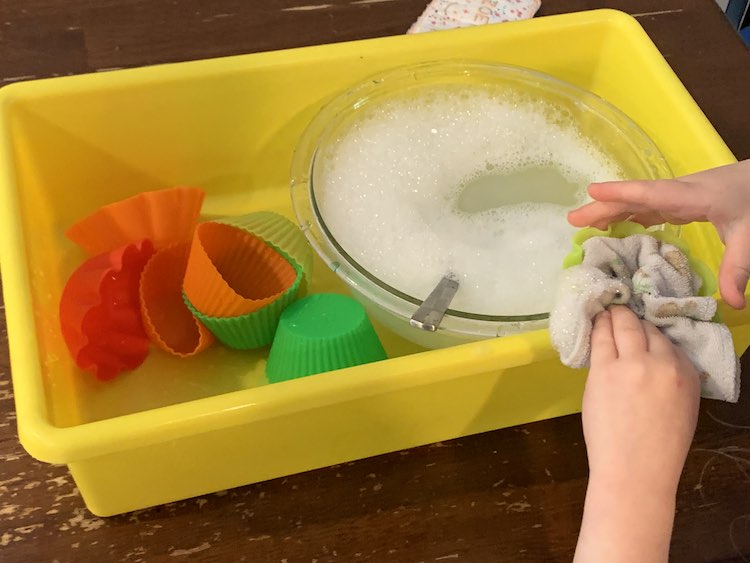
(510, 495)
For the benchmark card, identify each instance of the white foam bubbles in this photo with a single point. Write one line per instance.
(393, 189)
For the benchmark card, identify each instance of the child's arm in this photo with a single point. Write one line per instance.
(720, 195)
(640, 410)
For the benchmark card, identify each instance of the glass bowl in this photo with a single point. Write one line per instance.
(602, 125)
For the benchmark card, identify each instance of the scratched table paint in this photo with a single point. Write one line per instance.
(511, 495)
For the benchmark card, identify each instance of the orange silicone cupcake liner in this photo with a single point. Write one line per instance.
(232, 272)
(165, 217)
(166, 319)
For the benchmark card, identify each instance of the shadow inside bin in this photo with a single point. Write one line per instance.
(68, 174)
(262, 183)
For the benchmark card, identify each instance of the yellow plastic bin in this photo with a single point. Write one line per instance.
(179, 428)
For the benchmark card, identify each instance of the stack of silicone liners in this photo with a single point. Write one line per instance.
(242, 273)
(279, 232)
(130, 291)
(320, 333)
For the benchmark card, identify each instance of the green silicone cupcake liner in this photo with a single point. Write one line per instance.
(625, 229)
(254, 330)
(319, 333)
(278, 232)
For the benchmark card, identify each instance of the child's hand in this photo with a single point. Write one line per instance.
(640, 410)
(641, 401)
(720, 195)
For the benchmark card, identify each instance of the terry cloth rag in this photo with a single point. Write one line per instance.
(655, 280)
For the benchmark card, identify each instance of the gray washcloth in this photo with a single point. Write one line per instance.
(655, 280)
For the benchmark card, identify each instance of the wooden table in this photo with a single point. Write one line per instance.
(511, 495)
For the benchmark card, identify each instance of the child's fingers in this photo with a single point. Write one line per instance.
(597, 213)
(735, 267)
(603, 347)
(648, 218)
(600, 215)
(667, 196)
(658, 343)
(630, 338)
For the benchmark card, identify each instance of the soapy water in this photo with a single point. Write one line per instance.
(476, 184)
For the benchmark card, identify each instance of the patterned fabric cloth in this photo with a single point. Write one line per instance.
(447, 14)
